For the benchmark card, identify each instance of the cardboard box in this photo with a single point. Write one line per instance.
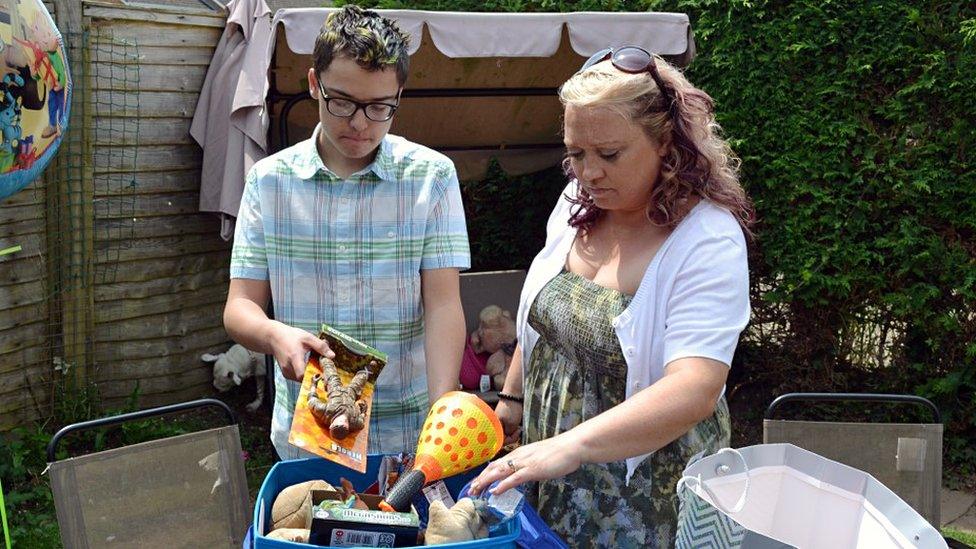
(361, 528)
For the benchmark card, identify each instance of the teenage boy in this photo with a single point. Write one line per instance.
(357, 229)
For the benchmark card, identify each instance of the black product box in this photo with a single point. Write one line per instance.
(359, 527)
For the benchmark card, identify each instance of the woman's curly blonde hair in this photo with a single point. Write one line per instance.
(699, 162)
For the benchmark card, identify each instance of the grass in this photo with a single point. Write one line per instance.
(969, 538)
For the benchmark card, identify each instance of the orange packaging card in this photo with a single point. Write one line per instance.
(311, 435)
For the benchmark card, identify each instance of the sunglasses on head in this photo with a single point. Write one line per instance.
(632, 60)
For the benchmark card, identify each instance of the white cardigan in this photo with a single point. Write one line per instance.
(693, 300)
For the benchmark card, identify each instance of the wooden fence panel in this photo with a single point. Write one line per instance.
(24, 322)
(155, 269)
(164, 266)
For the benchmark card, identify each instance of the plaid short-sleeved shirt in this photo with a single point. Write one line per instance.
(348, 253)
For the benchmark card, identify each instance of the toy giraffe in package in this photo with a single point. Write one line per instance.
(333, 408)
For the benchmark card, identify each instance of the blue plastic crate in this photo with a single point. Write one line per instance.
(286, 473)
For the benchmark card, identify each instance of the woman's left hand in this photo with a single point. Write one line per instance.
(551, 458)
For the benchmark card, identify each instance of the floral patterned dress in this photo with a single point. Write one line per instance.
(577, 371)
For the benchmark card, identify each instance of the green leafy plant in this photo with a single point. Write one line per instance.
(507, 229)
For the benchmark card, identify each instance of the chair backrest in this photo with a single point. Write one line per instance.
(905, 457)
(478, 290)
(188, 490)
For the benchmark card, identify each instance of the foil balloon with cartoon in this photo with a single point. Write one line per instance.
(35, 92)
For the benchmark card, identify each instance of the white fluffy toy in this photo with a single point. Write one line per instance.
(236, 365)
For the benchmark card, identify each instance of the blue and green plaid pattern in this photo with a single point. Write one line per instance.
(348, 253)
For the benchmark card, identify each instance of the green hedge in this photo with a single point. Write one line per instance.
(855, 124)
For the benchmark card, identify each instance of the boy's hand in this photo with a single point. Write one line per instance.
(291, 347)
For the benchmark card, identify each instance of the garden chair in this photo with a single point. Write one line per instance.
(905, 457)
(187, 490)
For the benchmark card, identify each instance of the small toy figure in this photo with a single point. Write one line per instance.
(343, 411)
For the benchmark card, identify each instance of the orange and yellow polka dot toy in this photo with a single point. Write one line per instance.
(461, 432)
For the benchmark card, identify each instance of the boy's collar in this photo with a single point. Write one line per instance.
(382, 164)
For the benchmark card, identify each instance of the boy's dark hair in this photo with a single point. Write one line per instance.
(373, 41)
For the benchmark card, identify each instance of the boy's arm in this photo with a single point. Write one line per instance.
(250, 290)
(443, 329)
(248, 324)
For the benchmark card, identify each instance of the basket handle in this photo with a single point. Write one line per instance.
(721, 470)
(851, 397)
(134, 416)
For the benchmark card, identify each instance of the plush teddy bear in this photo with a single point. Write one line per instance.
(497, 365)
(293, 506)
(236, 365)
(462, 522)
(296, 535)
(495, 331)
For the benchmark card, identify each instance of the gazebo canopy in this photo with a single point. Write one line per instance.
(481, 85)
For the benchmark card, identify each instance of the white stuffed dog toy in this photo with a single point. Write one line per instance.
(236, 365)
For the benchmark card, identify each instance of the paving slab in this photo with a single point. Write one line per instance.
(966, 523)
(956, 505)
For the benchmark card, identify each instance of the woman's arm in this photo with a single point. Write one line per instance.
(656, 416)
(508, 411)
(645, 422)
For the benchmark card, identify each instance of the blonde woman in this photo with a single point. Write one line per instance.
(631, 313)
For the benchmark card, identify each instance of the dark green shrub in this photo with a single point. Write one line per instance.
(855, 128)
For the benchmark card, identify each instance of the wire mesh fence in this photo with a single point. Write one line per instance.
(67, 235)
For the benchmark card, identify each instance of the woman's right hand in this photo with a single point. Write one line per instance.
(510, 414)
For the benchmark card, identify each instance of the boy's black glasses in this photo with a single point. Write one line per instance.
(346, 108)
(632, 60)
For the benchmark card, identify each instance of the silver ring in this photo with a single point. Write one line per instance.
(511, 465)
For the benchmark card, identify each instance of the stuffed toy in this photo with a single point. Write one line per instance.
(495, 329)
(236, 365)
(293, 506)
(462, 522)
(495, 332)
(498, 363)
(297, 535)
